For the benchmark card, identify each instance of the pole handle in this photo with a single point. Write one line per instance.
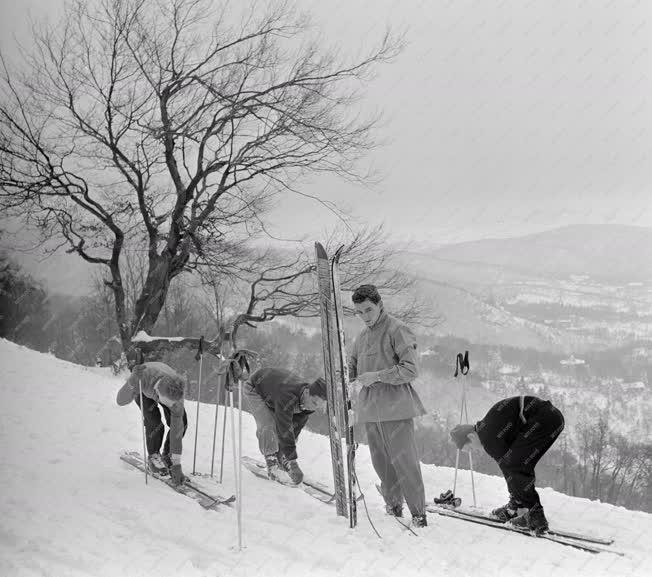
(462, 363)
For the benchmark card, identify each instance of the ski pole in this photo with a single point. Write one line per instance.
(217, 406)
(466, 412)
(142, 410)
(239, 492)
(235, 464)
(198, 357)
(457, 463)
(461, 365)
(223, 437)
(472, 481)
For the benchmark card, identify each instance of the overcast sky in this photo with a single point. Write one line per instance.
(502, 117)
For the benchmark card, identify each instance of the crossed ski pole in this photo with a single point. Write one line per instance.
(462, 366)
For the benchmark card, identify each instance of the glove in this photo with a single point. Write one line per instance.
(460, 435)
(177, 475)
(295, 472)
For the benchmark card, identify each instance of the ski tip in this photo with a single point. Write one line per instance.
(320, 250)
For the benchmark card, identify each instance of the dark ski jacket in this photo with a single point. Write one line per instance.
(504, 422)
(281, 390)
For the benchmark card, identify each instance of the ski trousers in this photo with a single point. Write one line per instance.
(394, 456)
(266, 431)
(517, 464)
(154, 428)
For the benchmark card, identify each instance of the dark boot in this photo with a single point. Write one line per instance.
(419, 520)
(394, 510)
(508, 511)
(282, 461)
(156, 464)
(273, 468)
(167, 460)
(533, 520)
(295, 472)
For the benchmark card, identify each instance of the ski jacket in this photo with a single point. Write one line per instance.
(148, 374)
(505, 421)
(389, 348)
(281, 390)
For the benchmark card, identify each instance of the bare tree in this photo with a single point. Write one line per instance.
(170, 126)
(279, 285)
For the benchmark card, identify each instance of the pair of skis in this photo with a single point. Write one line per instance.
(207, 499)
(337, 383)
(576, 540)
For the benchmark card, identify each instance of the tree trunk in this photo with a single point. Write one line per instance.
(152, 298)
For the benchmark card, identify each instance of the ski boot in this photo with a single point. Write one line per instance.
(448, 500)
(509, 511)
(274, 469)
(533, 520)
(294, 471)
(419, 520)
(156, 464)
(394, 510)
(167, 460)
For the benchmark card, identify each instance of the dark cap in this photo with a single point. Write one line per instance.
(318, 388)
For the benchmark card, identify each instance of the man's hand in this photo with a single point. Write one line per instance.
(177, 475)
(366, 379)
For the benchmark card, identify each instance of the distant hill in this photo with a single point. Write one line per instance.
(471, 283)
(613, 253)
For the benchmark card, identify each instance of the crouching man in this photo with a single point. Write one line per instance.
(281, 403)
(161, 386)
(516, 433)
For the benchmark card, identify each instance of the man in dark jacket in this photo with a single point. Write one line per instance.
(516, 433)
(160, 385)
(383, 363)
(281, 403)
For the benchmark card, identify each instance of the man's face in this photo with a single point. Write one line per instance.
(368, 312)
(314, 403)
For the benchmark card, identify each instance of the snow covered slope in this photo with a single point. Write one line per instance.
(70, 507)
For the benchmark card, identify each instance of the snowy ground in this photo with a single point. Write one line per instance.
(70, 507)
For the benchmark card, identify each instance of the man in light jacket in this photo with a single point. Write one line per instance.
(160, 385)
(383, 363)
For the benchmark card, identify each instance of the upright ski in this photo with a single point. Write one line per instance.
(343, 371)
(330, 350)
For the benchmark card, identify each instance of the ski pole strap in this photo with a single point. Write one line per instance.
(200, 348)
(462, 363)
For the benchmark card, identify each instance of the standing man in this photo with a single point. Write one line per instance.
(160, 385)
(281, 403)
(516, 433)
(383, 362)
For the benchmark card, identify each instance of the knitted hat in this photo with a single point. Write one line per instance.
(460, 435)
(173, 388)
(318, 388)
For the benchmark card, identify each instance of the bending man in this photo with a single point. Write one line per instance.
(281, 403)
(161, 386)
(516, 433)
